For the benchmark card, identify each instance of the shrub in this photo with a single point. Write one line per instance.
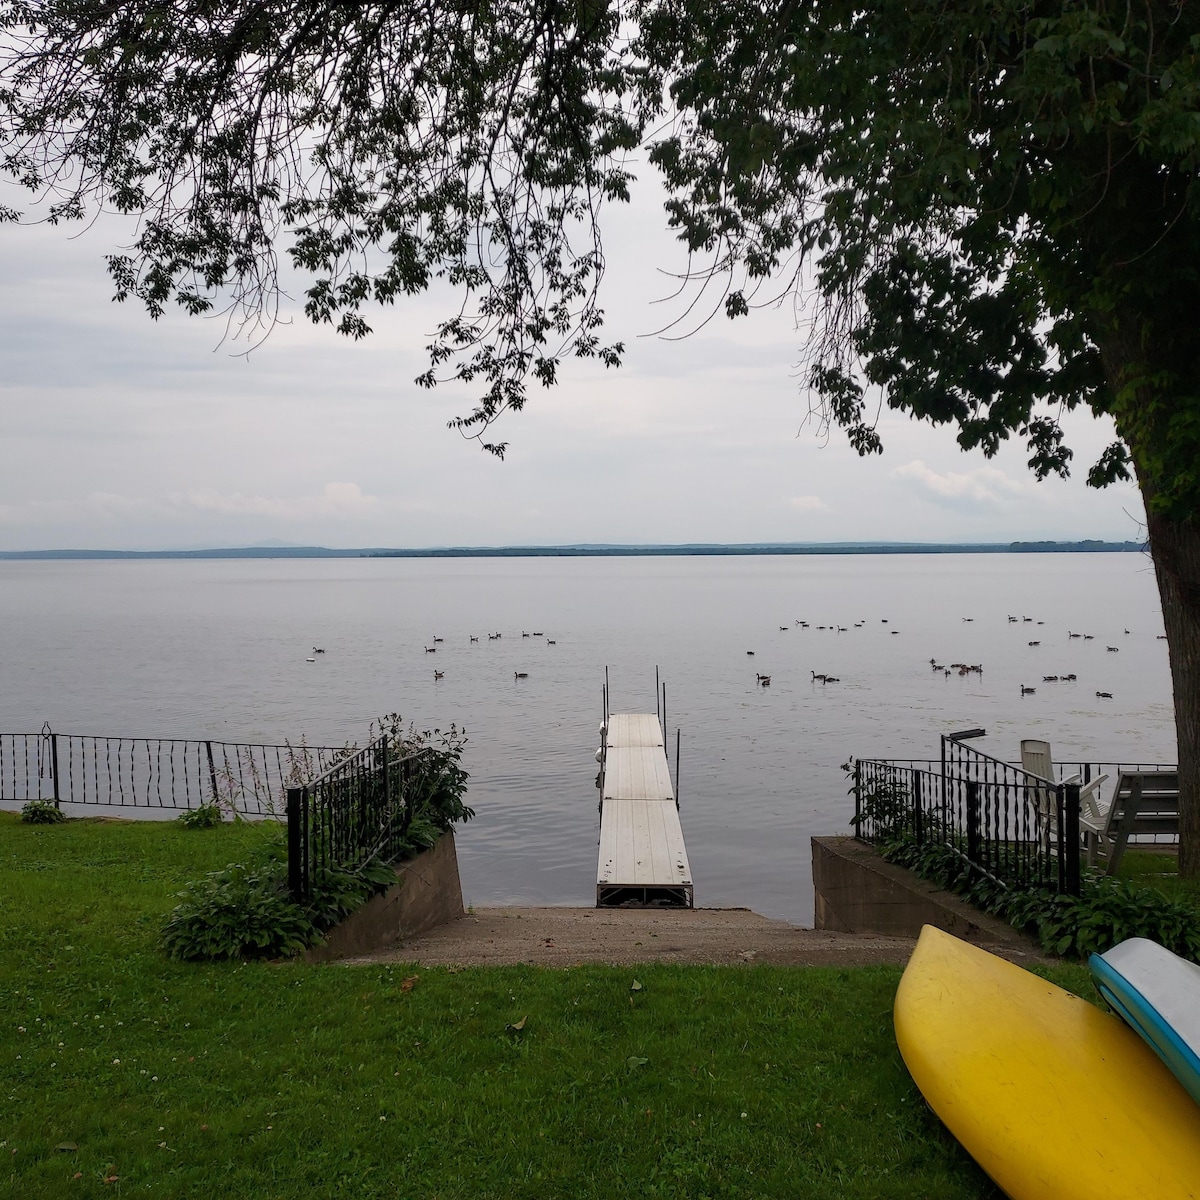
(241, 911)
(1106, 911)
(246, 910)
(206, 816)
(439, 781)
(42, 812)
(337, 893)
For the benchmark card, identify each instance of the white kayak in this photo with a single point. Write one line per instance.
(1158, 994)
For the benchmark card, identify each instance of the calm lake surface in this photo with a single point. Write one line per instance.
(218, 649)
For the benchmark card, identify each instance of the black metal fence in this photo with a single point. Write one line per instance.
(357, 811)
(165, 773)
(1007, 823)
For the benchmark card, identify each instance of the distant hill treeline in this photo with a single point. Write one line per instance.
(1087, 546)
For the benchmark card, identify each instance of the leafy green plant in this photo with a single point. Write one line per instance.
(337, 893)
(241, 911)
(246, 911)
(1105, 912)
(884, 807)
(439, 780)
(42, 812)
(206, 816)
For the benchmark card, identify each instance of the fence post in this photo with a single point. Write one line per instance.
(54, 768)
(295, 844)
(973, 823)
(387, 780)
(1070, 848)
(858, 799)
(212, 774)
(918, 814)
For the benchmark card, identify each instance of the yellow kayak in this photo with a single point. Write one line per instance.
(1053, 1098)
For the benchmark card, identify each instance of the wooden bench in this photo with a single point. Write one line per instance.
(1145, 805)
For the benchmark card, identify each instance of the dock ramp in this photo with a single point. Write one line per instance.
(642, 860)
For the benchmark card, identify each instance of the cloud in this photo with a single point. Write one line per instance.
(96, 505)
(809, 504)
(334, 500)
(984, 487)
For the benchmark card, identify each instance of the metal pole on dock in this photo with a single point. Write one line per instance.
(677, 769)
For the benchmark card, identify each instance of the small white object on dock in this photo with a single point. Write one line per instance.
(643, 859)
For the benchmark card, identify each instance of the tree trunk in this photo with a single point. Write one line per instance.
(1164, 452)
(1175, 547)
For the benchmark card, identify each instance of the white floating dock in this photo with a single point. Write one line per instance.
(642, 857)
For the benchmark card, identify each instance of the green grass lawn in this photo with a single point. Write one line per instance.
(126, 1074)
(1159, 871)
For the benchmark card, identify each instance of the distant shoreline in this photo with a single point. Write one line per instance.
(699, 549)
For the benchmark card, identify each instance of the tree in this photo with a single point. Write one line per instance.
(1002, 203)
(990, 208)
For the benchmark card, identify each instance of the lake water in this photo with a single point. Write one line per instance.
(218, 649)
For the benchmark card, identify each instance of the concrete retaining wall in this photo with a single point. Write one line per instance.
(856, 891)
(427, 893)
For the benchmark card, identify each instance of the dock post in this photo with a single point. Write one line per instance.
(677, 769)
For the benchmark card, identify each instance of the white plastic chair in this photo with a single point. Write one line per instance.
(1037, 760)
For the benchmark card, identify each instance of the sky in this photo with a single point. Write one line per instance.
(120, 432)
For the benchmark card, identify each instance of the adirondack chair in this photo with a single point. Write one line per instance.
(1144, 804)
(1036, 760)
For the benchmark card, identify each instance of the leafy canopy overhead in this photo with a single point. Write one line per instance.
(1000, 199)
(383, 146)
(990, 208)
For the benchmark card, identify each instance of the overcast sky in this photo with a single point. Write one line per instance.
(119, 432)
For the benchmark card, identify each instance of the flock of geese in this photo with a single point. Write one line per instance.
(1070, 678)
(818, 676)
(492, 637)
(956, 667)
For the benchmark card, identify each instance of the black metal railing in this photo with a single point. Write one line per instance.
(357, 811)
(1006, 822)
(1016, 827)
(168, 773)
(1003, 822)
